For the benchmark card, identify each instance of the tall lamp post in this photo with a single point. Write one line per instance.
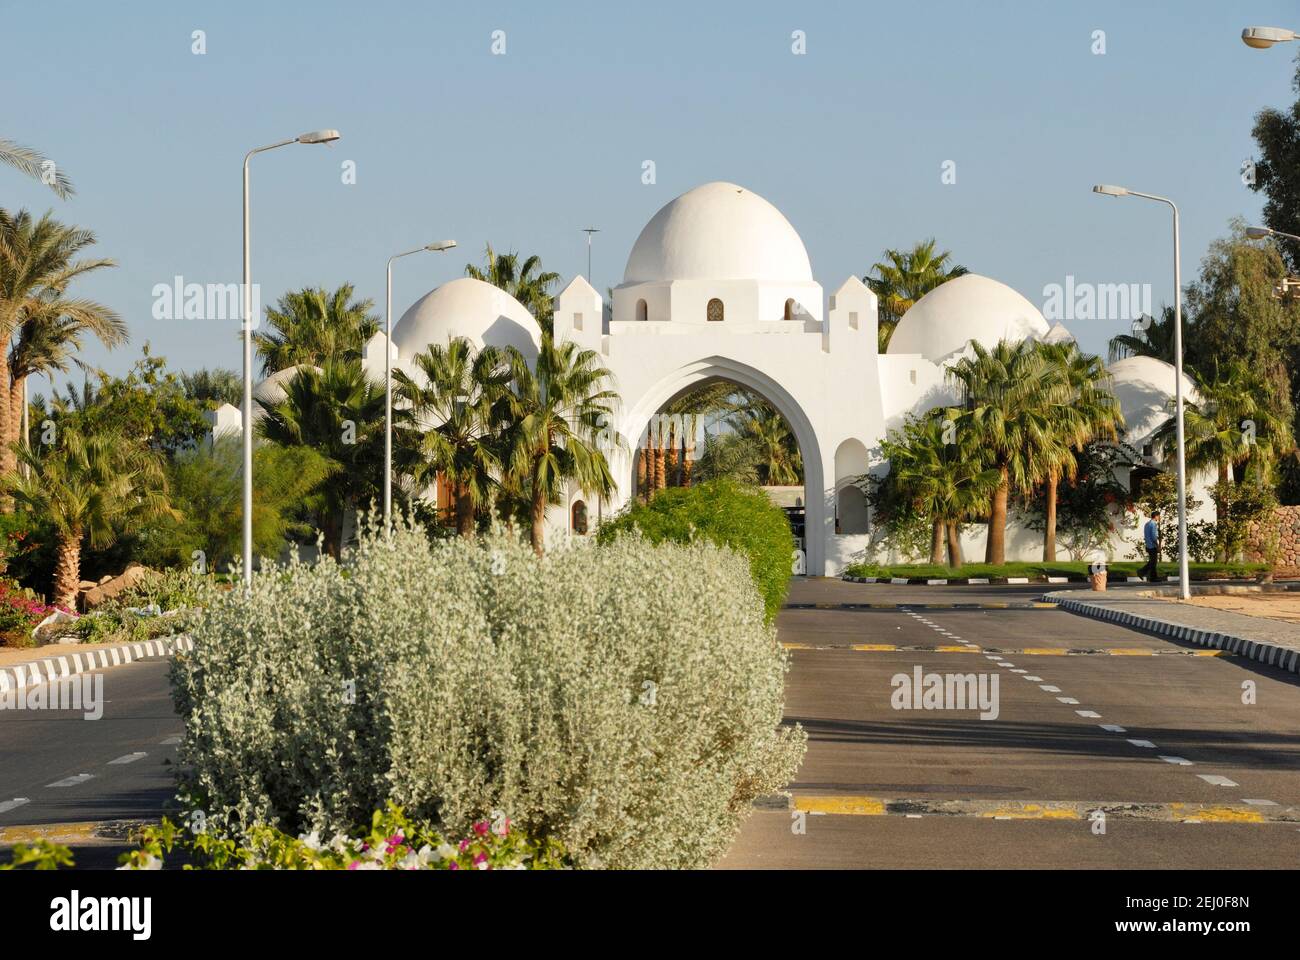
(315, 136)
(1184, 589)
(437, 247)
(1259, 233)
(589, 231)
(1261, 38)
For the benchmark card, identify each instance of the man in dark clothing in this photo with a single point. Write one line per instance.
(1151, 536)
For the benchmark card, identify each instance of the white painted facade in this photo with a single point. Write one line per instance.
(719, 285)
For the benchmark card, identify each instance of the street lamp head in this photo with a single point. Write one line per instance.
(440, 245)
(1258, 233)
(1108, 190)
(1261, 38)
(319, 136)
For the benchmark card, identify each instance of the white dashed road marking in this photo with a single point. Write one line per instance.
(1090, 714)
(172, 741)
(1216, 780)
(130, 758)
(1112, 728)
(1048, 688)
(8, 805)
(1143, 743)
(1177, 761)
(1067, 699)
(72, 781)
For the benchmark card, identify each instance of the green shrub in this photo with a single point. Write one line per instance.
(721, 512)
(624, 701)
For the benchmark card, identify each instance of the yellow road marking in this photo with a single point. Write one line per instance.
(956, 650)
(1208, 653)
(851, 806)
(874, 646)
(1044, 651)
(798, 646)
(1129, 652)
(1218, 814)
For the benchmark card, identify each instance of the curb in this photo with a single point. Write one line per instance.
(1261, 650)
(1002, 581)
(70, 664)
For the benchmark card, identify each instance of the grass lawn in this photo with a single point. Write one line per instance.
(1118, 568)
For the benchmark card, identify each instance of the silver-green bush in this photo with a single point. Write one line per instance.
(624, 699)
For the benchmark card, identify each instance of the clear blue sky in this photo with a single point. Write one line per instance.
(525, 149)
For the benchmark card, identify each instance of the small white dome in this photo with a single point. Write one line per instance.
(483, 314)
(273, 389)
(718, 231)
(1144, 386)
(969, 307)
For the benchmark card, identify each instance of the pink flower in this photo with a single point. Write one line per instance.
(454, 866)
(354, 864)
(481, 828)
(464, 845)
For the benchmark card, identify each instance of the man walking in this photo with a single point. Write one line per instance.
(1151, 534)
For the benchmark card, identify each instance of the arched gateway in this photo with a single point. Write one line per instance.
(719, 287)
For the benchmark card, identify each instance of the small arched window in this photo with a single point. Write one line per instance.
(714, 310)
(578, 518)
(641, 312)
(789, 309)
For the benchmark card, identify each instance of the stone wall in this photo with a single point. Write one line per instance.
(1286, 524)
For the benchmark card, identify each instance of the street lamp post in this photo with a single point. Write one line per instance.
(1261, 38)
(437, 247)
(315, 136)
(589, 231)
(1259, 233)
(1184, 588)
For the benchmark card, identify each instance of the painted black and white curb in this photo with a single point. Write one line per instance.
(70, 664)
(1270, 653)
(1000, 581)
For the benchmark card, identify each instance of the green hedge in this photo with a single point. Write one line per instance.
(725, 513)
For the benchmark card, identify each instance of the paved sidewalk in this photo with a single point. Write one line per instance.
(1268, 641)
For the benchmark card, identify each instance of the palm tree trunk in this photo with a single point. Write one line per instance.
(1221, 553)
(954, 545)
(649, 456)
(996, 549)
(10, 426)
(659, 463)
(67, 569)
(1049, 534)
(537, 529)
(642, 461)
(688, 451)
(670, 458)
(464, 512)
(936, 543)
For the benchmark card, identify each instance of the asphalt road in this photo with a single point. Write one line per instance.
(1091, 717)
(57, 767)
(880, 787)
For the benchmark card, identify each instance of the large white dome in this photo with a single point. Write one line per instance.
(483, 314)
(969, 307)
(718, 231)
(1144, 386)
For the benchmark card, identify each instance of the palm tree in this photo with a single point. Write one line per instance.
(904, 277)
(212, 388)
(780, 463)
(313, 326)
(1088, 412)
(37, 265)
(48, 336)
(525, 281)
(458, 407)
(1151, 338)
(33, 163)
(556, 414)
(1233, 428)
(88, 485)
(937, 470)
(340, 412)
(1008, 393)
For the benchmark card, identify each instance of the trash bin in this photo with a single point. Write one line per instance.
(1097, 576)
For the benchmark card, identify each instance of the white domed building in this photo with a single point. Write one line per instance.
(719, 286)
